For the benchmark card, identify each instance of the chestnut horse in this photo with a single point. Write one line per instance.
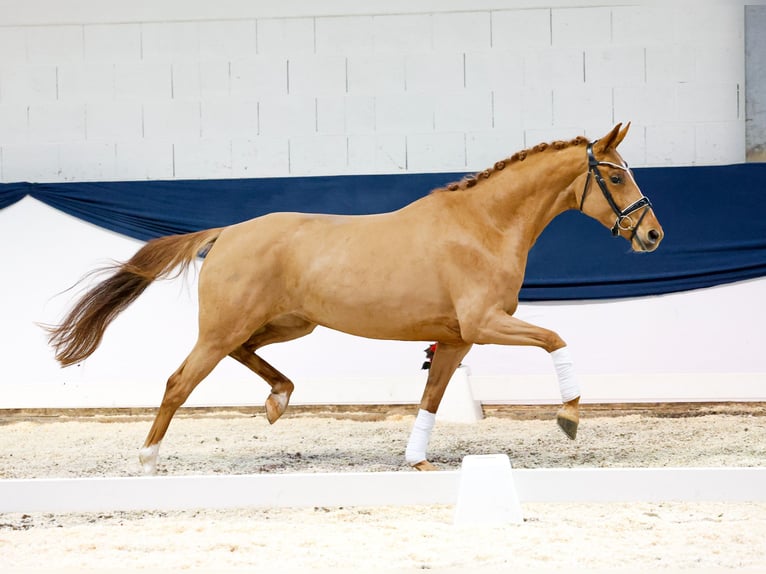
(276, 277)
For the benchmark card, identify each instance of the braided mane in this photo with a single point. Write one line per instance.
(471, 180)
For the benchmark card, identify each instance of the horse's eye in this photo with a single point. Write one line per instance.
(616, 179)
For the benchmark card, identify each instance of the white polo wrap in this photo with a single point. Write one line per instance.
(421, 434)
(568, 385)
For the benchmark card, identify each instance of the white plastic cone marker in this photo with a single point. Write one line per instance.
(458, 404)
(487, 493)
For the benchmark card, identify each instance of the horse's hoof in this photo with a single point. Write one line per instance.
(276, 404)
(568, 426)
(424, 465)
(568, 417)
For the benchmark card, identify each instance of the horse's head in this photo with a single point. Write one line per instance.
(610, 194)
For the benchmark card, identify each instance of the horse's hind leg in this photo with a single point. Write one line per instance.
(196, 367)
(277, 331)
(445, 361)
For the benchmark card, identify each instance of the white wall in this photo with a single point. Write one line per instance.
(171, 89)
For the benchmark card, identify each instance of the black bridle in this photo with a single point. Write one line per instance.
(624, 221)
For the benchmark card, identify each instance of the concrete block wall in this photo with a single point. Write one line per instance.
(170, 92)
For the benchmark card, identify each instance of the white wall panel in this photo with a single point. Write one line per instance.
(518, 30)
(344, 35)
(377, 153)
(113, 121)
(87, 161)
(143, 81)
(31, 162)
(554, 67)
(86, 82)
(201, 80)
(461, 31)
(434, 72)
(54, 44)
(463, 111)
(144, 159)
(317, 75)
(287, 115)
(28, 84)
(493, 70)
(13, 123)
(698, 102)
(170, 41)
(583, 106)
(222, 119)
(346, 115)
(402, 33)
(581, 26)
(172, 120)
(485, 148)
(429, 152)
(717, 142)
(209, 158)
(318, 154)
(371, 74)
(404, 113)
(226, 39)
(285, 37)
(670, 144)
(57, 122)
(112, 42)
(616, 66)
(261, 156)
(13, 44)
(259, 76)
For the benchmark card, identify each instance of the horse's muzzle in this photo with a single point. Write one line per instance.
(648, 240)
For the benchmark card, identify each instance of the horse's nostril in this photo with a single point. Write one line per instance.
(653, 235)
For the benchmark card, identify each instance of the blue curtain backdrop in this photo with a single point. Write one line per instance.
(715, 227)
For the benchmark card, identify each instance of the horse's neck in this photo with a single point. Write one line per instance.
(526, 197)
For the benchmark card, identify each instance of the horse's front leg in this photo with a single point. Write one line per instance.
(499, 328)
(446, 359)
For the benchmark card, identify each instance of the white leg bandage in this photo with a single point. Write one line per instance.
(421, 434)
(562, 361)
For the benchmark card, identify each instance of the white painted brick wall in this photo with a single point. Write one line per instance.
(518, 30)
(344, 35)
(54, 44)
(28, 84)
(261, 156)
(13, 44)
(172, 120)
(430, 152)
(369, 92)
(13, 123)
(202, 158)
(258, 76)
(377, 153)
(285, 36)
(316, 75)
(318, 154)
(114, 121)
(376, 73)
(112, 42)
(87, 161)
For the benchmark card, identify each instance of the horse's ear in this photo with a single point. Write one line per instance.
(621, 135)
(612, 139)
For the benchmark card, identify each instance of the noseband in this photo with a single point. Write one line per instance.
(624, 221)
